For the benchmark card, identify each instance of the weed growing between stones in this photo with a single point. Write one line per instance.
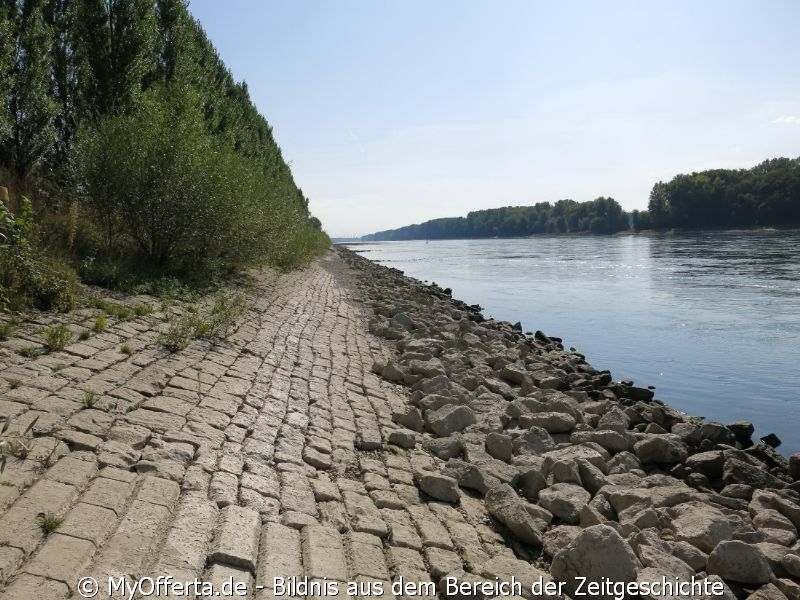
(89, 398)
(100, 324)
(49, 522)
(15, 443)
(126, 349)
(217, 322)
(57, 336)
(30, 352)
(84, 335)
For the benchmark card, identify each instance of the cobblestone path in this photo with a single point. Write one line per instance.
(263, 456)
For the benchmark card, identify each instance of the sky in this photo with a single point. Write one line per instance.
(396, 112)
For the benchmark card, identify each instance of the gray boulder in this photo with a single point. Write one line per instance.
(701, 525)
(615, 420)
(439, 486)
(503, 503)
(409, 417)
(470, 476)
(531, 482)
(708, 463)
(794, 466)
(736, 561)
(738, 471)
(565, 501)
(552, 422)
(596, 553)
(499, 445)
(610, 440)
(449, 419)
(661, 449)
(534, 441)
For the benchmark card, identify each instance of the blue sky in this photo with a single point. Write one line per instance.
(393, 113)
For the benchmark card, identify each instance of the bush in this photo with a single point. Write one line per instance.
(158, 181)
(28, 277)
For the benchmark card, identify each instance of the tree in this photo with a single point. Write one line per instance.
(29, 108)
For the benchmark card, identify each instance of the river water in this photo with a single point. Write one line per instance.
(711, 319)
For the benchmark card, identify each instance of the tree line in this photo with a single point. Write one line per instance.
(136, 145)
(600, 216)
(768, 195)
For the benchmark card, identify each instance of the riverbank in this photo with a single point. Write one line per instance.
(361, 425)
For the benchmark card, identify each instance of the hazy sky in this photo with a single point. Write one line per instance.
(395, 112)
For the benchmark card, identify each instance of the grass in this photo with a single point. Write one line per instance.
(89, 399)
(84, 335)
(100, 324)
(58, 367)
(122, 312)
(56, 337)
(214, 323)
(126, 349)
(140, 310)
(49, 522)
(30, 352)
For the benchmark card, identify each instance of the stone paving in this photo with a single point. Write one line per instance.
(262, 456)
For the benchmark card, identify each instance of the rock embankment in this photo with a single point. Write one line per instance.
(591, 477)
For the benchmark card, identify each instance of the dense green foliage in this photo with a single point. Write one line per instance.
(603, 215)
(137, 146)
(766, 195)
(27, 276)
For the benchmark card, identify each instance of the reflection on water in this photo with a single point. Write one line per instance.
(711, 319)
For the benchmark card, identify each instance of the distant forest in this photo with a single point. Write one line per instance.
(768, 195)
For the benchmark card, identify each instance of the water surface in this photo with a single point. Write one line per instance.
(711, 319)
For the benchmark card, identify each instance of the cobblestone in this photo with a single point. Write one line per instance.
(263, 455)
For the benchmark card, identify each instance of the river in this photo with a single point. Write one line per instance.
(711, 319)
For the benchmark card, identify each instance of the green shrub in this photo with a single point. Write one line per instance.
(28, 278)
(100, 324)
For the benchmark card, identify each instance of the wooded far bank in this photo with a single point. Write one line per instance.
(768, 195)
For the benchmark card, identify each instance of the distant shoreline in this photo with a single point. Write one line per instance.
(683, 231)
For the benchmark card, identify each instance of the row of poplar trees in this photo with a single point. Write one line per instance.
(94, 90)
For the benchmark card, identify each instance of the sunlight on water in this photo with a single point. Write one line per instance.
(711, 319)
